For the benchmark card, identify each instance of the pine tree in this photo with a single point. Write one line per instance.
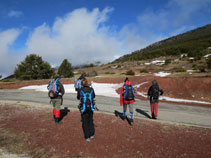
(65, 69)
(33, 67)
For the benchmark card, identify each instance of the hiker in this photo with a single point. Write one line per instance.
(56, 92)
(127, 98)
(78, 81)
(86, 96)
(153, 93)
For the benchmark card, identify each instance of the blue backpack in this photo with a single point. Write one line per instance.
(77, 84)
(87, 101)
(128, 92)
(53, 88)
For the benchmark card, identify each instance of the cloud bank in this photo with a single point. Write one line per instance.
(8, 59)
(81, 37)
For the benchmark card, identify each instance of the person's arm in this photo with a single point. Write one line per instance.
(62, 89)
(121, 96)
(149, 91)
(78, 94)
(161, 91)
(93, 93)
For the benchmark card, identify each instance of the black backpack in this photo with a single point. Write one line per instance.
(87, 101)
(128, 92)
(155, 92)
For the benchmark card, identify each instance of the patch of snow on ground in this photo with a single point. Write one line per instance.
(206, 56)
(103, 89)
(162, 74)
(157, 62)
(109, 90)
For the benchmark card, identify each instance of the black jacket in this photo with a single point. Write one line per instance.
(84, 106)
(151, 93)
(85, 90)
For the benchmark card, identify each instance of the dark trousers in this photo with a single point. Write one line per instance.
(87, 124)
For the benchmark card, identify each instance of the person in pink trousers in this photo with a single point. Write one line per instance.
(153, 93)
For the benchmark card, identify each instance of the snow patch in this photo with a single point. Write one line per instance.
(103, 89)
(162, 74)
(109, 90)
(157, 62)
(206, 56)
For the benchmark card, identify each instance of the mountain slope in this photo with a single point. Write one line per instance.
(194, 43)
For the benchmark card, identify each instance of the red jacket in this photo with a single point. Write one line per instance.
(122, 95)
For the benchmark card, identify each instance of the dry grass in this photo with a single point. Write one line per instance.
(18, 144)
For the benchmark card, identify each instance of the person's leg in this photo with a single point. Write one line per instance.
(54, 109)
(85, 125)
(156, 109)
(152, 109)
(91, 125)
(57, 111)
(131, 112)
(124, 110)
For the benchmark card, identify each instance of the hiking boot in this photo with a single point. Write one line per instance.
(87, 139)
(57, 121)
(123, 117)
(131, 120)
(92, 137)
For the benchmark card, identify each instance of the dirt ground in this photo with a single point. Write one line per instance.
(114, 137)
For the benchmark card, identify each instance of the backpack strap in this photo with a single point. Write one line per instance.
(133, 91)
(50, 85)
(90, 98)
(57, 80)
(126, 87)
(84, 101)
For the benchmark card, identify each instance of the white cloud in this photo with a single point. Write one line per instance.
(8, 60)
(80, 36)
(15, 13)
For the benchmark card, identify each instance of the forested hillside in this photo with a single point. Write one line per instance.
(194, 43)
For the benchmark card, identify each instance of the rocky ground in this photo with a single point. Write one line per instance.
(30, 131)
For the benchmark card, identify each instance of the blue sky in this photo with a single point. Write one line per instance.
(85, 31)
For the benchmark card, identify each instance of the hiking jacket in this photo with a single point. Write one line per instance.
(85, 89)
(150, 93)
(122, 100)
(61, 90)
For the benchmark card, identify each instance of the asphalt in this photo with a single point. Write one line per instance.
(167, 112)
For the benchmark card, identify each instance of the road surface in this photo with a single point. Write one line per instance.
(170, 113)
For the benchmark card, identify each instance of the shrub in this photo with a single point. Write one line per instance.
(109, 73)
(179, 69)
(167, 61)
(143, 71)
(195, 67)
(93, 73)
(209, 63)
(202, 68)
(130, 72)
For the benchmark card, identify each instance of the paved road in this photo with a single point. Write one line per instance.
(172, 113)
